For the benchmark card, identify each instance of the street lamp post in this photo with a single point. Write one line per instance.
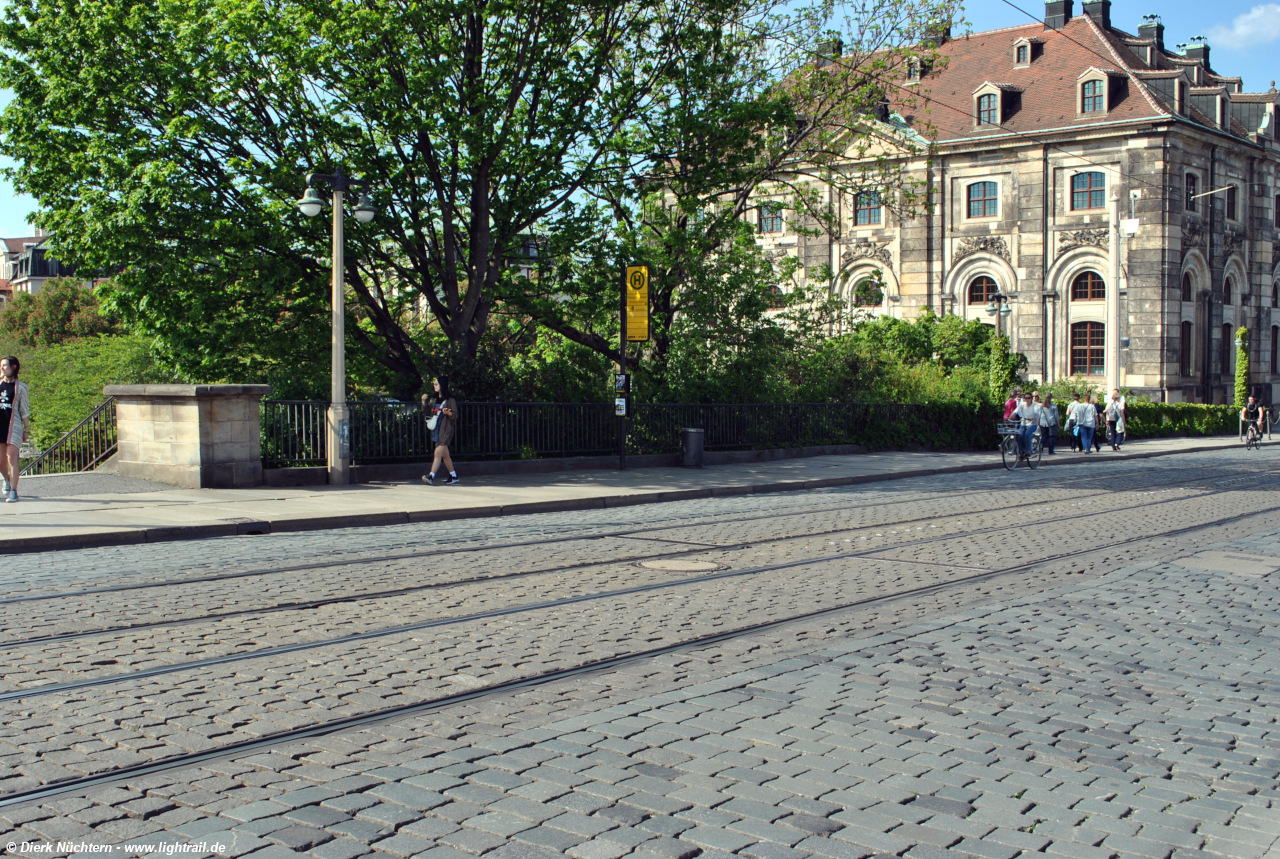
(338, 425)
(998, 306)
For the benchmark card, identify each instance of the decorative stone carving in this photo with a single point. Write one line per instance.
(985, 244)
(878, 251)
(1096, 237)
(1192, 235)
(1232, 242)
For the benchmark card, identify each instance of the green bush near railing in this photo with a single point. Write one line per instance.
(1160, 420)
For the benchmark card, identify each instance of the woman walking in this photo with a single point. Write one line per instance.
(1115, 420)
(445, 410)
(15, 423)
(1086, 422)
(1049, 418)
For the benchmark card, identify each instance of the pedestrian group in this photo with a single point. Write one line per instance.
(1084, 423)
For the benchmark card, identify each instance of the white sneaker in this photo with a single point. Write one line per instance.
(11, 497)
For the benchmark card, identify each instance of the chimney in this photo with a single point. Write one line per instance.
(1057, 13)
(1099, 11)
(938, 33)
(1198, 50)
(1152, 28)
(829, 52)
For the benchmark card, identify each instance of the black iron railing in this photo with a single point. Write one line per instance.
(83, 447)
(293, 433)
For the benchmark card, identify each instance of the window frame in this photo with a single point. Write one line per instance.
(1227, 288)
(988, 112)
(868, 210)
(1192, 183)
(1022, 55)
(987, 296)
(1232, 204)
(1095, 284)
(1093, 101)
(1187, 289)
(1275, 352)
(1227, 349)
(989, 203)
(1186, 343)
(1087, 193)
(769, 218)
(1089, 351)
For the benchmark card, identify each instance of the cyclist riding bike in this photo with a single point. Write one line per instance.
(1252, 415)
(1028, 416)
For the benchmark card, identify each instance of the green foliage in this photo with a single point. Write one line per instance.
(1157, 420)
(1242, 367)
(1063, 389)
(66, 379)
(1002, 373)
(63, 310)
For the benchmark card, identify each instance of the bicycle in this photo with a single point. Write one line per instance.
(1253, 436)
(1009, 452)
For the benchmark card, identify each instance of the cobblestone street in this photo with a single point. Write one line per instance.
(1076, 661)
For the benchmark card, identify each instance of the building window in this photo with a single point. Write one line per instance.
(913, 69)
(1088, 191)
(1087, 348)
(984, 201)
(1093, 98)
(868, 293)
(1186, 287)
(1192, 189)
(1088, 287)
(1023, 54)
(771, 218)
(1227, 346)
(1184, 350)
(867, 209)
(982, 290)
(988, 110)
(1226, 291)
(1231, 202)
(1276, 215)
(1275, 348)
(1275, 295)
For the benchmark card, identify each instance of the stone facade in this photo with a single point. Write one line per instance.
(1007, 206)
(199, 436)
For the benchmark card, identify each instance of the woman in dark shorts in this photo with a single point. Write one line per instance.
(15, 422)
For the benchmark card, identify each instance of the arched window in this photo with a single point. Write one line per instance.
(867, 209)
(1186, 287)
(984, 201)
(1192, 183)
(1184, 350)
(868, 292)
(1226, 291)
(1088, 191)
(982, 289)
(988, 110)
(1022, 54)
(1088, 286)
(1087, 348)
(1227, 347)
(1093, 99)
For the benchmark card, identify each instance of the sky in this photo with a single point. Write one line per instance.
(1244, 36)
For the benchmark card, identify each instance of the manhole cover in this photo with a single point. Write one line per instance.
(677, 566)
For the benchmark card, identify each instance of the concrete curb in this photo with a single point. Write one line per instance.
(134, 536)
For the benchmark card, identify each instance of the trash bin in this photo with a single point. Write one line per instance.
(691, 445)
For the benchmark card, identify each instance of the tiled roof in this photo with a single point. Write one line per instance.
(16, 245)
(944, 106)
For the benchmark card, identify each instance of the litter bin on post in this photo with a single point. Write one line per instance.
(691, 445)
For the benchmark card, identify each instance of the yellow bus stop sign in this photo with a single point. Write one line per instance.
(637, 303)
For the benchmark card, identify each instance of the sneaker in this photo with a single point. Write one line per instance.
(452, 481)
(429, 479)
(11, 497)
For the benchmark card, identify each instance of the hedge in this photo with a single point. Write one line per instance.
(1159, 420)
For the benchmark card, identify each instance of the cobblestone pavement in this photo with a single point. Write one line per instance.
(1119, 699)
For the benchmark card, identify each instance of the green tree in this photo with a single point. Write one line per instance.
(1004, 369)
(168, 141)
(1242, 366)
(62, 310)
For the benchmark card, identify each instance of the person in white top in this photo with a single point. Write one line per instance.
(1028, 416)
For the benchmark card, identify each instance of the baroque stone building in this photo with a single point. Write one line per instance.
(1123, 197)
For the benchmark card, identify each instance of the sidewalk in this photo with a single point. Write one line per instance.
(83, 510)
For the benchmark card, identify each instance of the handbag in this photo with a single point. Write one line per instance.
(432, 421)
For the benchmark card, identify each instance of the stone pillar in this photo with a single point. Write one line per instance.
(199, 436)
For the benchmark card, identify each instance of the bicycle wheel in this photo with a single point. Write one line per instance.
(1034, 454)
(1254, 441)
(1009, 451)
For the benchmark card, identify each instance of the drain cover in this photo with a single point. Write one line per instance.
(678, 566)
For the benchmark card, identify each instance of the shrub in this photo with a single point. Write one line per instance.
(1159, 420)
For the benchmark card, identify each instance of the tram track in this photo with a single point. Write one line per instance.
(695, 548)
(274, 739)
(417, 552)
(384, 632)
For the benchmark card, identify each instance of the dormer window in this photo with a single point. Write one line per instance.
(913, 69)
(1022, 55)
(989, 109)
(1093, 97)
(1025, 52)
